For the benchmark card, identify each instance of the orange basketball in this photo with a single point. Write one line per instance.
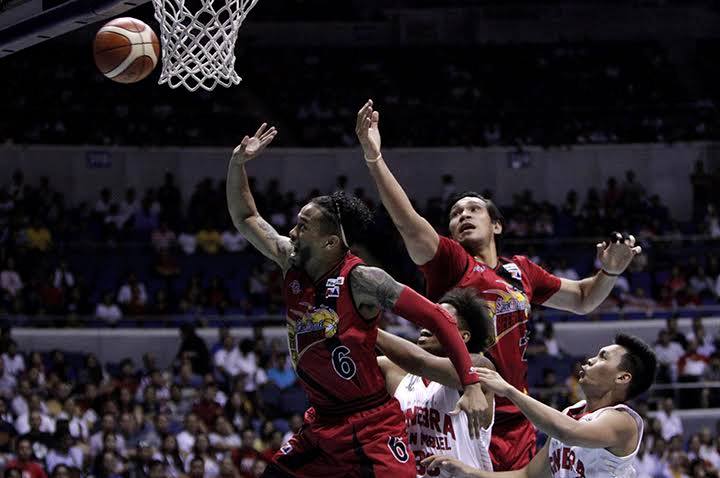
(126, 50)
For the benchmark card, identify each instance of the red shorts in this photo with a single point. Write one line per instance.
(367, 444)
(512, 445)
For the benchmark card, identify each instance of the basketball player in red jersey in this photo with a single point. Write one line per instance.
(353, 428)
(469, 258)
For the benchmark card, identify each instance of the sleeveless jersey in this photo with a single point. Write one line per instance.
(433, 431)
(332, 346)
(578, 462)
(508, 289)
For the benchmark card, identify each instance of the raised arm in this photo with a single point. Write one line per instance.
(584, 296)
(613, 429)
(421, 240)
(241, 204)
(413, 359)
(375, 289)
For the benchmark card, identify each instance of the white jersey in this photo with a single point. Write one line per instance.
(579, 462)
(431, 428)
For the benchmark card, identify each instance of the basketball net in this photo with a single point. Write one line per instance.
(198, 41)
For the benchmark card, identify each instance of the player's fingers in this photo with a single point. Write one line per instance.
(432, 461)
(375, 118)
(271, 132)
(260, 130)
(631, 238)
(637, 250)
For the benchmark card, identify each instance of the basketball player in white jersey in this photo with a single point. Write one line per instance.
(595, 438)
(423, 380)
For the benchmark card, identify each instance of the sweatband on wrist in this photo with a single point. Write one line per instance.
(419, 310)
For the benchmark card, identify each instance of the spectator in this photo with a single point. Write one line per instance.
(224, 438)
(281, 373)
(201, 454)
(669, 419)
(108, 311)
(8, 383)
(163, 238)
(102, 206)
(668, 354)
(132, 291)
(13, 361)
(217, 295)
(171, 457)
(692, 365)
(233, 241)
(129, 206)
(208, 409)
(63, 279)
(38, 236)
(250, 374)
(208, 239)
(10, 281)
(186, 438)
(25, 462)
(193, 348)
(188, 240)
(701, 286)
(674, 333)
(108, 428)
(226, 359)
(64, 453)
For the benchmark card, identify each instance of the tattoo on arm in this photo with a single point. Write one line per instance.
(268, 241)
(374, 286)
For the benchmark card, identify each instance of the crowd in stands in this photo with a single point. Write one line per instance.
(222, 411)
(549, 94)
(214, 412)
(174, 249)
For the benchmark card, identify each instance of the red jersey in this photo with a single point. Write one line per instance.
(332, 346)
(28, 469)
(509, 289)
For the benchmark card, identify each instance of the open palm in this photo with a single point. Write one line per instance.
(250, 147)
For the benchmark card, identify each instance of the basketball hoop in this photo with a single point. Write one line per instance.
(198, 43)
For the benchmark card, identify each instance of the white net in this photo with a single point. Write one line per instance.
(198, 41)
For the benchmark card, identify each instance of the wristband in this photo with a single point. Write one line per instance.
(373, 160)
(608, 274)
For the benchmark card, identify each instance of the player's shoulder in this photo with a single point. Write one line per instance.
(448, 244)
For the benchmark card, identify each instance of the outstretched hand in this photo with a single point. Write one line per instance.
(617, 254)
(491, 380)
(251, 147)
(368, 132)
(447, 466)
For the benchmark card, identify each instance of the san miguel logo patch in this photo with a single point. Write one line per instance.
(332, 287)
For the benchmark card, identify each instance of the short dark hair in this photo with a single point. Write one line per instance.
(340, 209)
(640, 361)
(473, 316)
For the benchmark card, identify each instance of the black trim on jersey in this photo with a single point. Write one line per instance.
(502, 272)
(366, 465)
(352, 299)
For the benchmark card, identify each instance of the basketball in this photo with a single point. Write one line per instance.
(126, 50)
